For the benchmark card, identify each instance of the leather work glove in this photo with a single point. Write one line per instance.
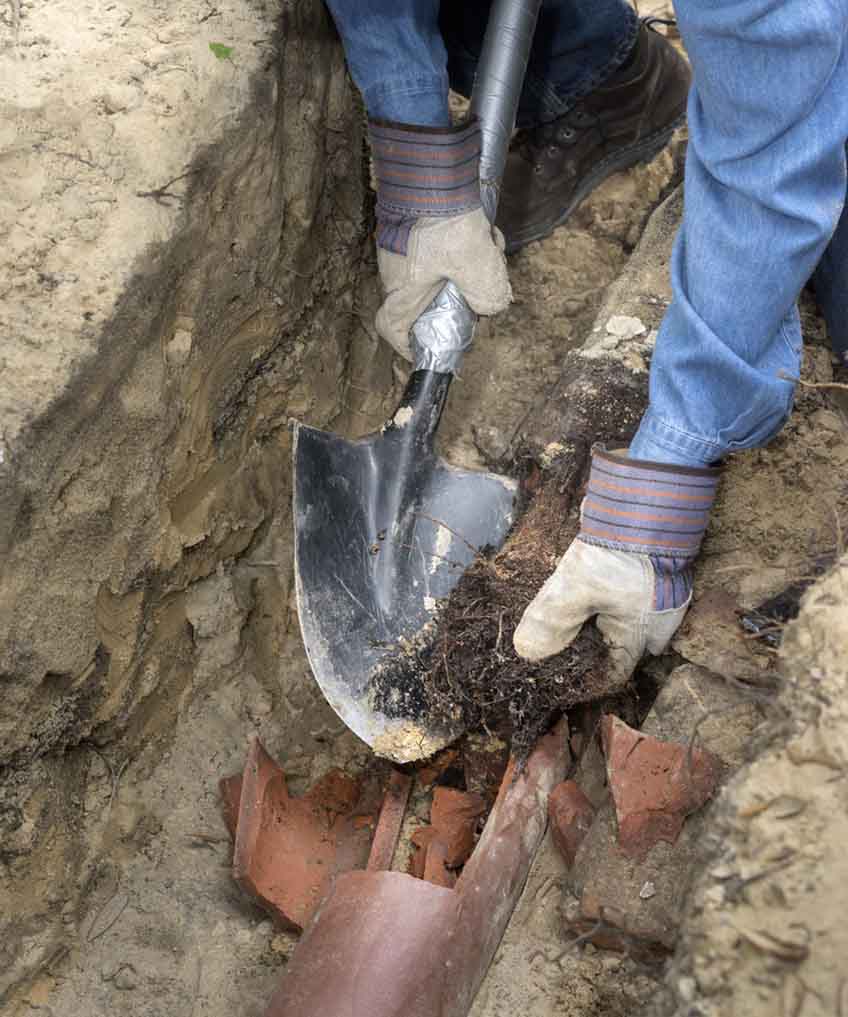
(641, 526)
(431, 226)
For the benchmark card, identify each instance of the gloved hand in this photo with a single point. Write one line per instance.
(431, 226)
(630, 564)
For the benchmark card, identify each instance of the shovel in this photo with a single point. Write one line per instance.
(384, 528)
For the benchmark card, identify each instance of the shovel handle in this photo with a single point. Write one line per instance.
(497, 88)
(449, 321)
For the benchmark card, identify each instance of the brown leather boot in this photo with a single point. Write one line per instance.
(550, 169)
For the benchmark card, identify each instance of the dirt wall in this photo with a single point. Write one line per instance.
(154, 349)
(765, 933)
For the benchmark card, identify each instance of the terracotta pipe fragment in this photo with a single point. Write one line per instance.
(385, 944)
(390, 822)
(287, 850)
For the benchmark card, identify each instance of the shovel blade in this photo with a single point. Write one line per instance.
(377, 546)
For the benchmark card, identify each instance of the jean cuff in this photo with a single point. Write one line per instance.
(660, 442)
(420, 101)
(545, 99)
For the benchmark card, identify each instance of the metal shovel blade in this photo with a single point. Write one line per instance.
(384, 530)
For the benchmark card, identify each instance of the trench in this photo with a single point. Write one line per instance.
(147, 539)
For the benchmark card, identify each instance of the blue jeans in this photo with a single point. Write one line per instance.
(765, 191)
(404, 54)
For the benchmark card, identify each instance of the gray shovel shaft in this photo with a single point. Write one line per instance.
(443, 333)
(497, 88)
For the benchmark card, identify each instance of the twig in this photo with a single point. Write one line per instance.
(812, 384)
(209, 838)
(90, 938)
(76, 158)
(583, 938)
(115, 782)
(432, 554)
(160, 194)
(439, 522)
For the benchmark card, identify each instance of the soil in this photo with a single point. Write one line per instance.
(765, 931)
(149, 524)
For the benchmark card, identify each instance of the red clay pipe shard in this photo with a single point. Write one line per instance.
(384, 944)
(421, 840)
(654, 785)
(375, 948)
(571, 814)
(436, 869)
(390, 822)
(287, 850)
(454, 815)
(495, 874)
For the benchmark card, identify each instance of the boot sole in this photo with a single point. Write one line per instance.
(642, 152)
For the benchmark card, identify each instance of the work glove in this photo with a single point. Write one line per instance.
(431, 226)
(641, 526)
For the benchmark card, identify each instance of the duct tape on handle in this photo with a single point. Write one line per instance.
(443, 332)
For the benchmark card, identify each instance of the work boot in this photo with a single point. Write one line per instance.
(550, 169)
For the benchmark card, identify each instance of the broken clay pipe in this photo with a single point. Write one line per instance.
(287, 850)
(384, 944)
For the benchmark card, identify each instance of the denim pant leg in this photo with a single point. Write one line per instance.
(396, 57)
(578, 43)
(764, 189)
(831, 282)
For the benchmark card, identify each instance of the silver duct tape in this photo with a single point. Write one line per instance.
(443, 332)
(497, 87)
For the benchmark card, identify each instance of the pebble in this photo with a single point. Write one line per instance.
(625, 326)
(686, 988)
(648, 890)
(125, 978)
(117, 98)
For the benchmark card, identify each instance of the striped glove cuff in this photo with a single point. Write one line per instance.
(422, 171)
(653, 509)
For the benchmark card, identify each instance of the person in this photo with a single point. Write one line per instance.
(601, 92)
(765, 188)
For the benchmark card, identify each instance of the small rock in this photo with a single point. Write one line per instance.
(654, 785)
(125, 978)
(686, 988)
(648, 890)
(117, 98)
(283, 943)
(625, 327)
(178, 349)
(571, 814)
(714, 896)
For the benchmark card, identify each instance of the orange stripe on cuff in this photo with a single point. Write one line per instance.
(616, 537)
(706, 499)
(643, 516)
